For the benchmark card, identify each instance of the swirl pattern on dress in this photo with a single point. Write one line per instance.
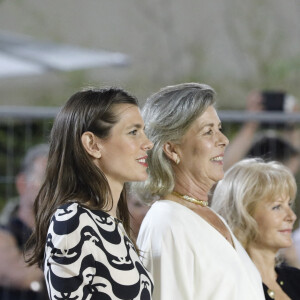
(89, 256)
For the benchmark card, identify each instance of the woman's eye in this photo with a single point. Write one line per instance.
(276, 207)
(208, 132)
(133, 132)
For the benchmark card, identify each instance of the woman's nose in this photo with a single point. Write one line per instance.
(291, 215)
(147, 145)
(223, 140)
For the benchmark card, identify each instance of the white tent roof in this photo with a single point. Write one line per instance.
(22, 55)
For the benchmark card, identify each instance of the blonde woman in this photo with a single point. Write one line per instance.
(255, 198)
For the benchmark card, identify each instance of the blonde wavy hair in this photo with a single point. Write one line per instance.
(246, 184)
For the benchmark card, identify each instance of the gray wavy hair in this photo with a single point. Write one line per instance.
(168, 114)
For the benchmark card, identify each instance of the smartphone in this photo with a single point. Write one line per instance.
(273, 100)
(277, 101)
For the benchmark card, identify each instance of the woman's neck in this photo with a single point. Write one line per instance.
(187, 186)
(116, 189)
(264, 259)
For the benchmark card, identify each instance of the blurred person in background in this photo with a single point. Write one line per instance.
(137, 209)
(255, 198)
(271, 147)
(18, 281)
(274, 141)
(189, 249)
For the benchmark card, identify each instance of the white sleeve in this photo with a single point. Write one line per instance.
(169, 257)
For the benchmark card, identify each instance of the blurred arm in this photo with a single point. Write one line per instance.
(242, 142)
(14, 272)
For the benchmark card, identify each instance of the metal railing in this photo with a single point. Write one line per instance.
(235, 116)
(21, 127)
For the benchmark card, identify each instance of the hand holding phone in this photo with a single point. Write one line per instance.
(278, 101)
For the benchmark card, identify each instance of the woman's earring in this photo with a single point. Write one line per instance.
(177, 160)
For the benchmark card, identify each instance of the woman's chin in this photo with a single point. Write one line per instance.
(141, 177)
(217, 178)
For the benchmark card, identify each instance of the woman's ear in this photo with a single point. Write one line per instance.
(171, 152)
(91, 144)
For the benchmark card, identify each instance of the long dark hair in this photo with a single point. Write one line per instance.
(71, 173)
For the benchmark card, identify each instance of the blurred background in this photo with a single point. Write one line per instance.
(230, 45)
(51, 49)
(236, 47)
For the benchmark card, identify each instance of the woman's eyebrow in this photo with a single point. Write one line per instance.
(208, 125)
(138, 126)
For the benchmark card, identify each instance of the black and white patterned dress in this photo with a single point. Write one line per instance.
(88, 255)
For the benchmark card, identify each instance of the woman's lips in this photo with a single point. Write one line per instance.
(218, 159)
(286, 231)
(142, 161)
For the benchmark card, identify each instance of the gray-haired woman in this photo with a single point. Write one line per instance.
(189, 249)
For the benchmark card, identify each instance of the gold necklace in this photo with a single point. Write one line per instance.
(203, 203)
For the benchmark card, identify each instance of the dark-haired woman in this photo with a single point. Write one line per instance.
(82, 238)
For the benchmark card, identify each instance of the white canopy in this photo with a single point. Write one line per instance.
(22, 55)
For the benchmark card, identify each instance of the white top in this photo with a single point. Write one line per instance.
(191, 260)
